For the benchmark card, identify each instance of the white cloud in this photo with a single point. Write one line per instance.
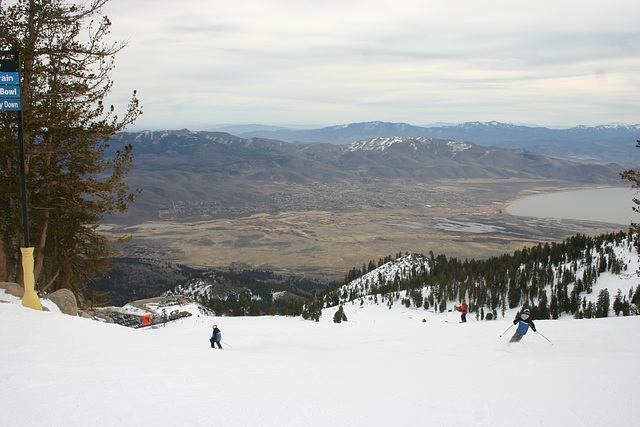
(278, 61)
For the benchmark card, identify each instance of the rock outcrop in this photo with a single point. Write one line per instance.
(65, 300)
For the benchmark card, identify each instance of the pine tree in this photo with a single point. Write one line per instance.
(65, 69)
(542, 311)
(554, 307)
(603, 303)
(636, 297)
(242, 306)
(634, 177)
(618, 305)
(339, 315)
(312, 309)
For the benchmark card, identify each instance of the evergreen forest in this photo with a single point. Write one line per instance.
(551, 279)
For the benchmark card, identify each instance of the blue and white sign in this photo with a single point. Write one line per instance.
(9, 91)
(9, 78)
(10, 81)
(10, 104)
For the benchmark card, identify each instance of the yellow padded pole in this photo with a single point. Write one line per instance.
(30, 298)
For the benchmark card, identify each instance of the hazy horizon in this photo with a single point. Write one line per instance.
(277, 126)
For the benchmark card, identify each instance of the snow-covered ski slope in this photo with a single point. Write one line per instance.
(384, 367)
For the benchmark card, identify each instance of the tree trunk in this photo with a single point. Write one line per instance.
(5, 266)
(65, 280)
(20, 273)
(39, 252)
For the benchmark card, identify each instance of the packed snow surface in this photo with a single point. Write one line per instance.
(383, 367)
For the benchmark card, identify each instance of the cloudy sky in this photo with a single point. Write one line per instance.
(199, 63)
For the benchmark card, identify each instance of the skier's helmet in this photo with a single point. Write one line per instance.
(525, 311)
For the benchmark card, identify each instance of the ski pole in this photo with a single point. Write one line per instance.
(545, 338)
(506, 330)
(225, 343)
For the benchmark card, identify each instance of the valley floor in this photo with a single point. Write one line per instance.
(383, 367)
(463, 219)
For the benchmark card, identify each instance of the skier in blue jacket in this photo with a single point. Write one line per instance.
(524, 322)
(216, 337)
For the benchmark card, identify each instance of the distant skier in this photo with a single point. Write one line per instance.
(523, 320)
(463, 311)
(216, 337)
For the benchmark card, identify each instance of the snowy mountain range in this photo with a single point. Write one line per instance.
(609, 143)
(201, 166)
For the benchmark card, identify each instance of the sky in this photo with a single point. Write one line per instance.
(196, 63)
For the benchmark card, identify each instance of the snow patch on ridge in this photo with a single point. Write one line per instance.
(401, 268)
(383, 143)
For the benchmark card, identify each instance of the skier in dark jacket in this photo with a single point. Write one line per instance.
(216, 337)
(524, 322)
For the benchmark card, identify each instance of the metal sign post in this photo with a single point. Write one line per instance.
(10, 100)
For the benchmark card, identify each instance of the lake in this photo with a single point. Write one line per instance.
(612, 205)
